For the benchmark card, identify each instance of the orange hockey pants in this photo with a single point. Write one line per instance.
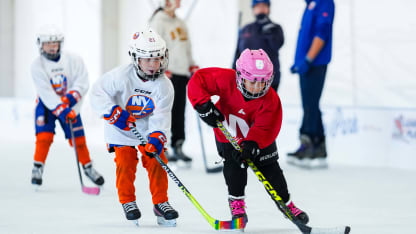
(44, 141)
(126, 165)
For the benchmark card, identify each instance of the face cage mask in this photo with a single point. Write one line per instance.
(49, 56)
(241, 86)
(143, 75)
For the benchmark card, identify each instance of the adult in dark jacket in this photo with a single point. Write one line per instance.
(262, 34)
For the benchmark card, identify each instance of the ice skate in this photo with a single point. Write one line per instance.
(166, 215)
(237, 208)
(303, 155)
(93, 175)
(318, 159)
(182, 160)
(298, 213)
(132, 212)
(37, 173)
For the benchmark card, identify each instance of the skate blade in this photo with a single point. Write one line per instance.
(166, 223)
(36, 187)
(135, 222)
(318, 163)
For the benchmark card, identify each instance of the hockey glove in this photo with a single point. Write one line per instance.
(209, 113)
(250, 150)
(64, 113)
(301, 68)
(155, 144)
(120, 118)
(71, 98)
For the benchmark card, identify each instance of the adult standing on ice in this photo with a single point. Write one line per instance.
(253, 113)
(138, 93)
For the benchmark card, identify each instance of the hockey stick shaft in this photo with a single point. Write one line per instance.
(276, 198)
(85, 189)
(215, 223)
(201, 137)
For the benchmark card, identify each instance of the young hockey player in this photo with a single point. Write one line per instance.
(61, 82)
(253, 114)
(141, 94)
(181, 65)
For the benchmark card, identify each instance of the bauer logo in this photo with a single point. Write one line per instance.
(59, 84)
(140, 106)
(404, 129)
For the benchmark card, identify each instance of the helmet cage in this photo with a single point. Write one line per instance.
(50, 37)
(149, 44)
(247, 94)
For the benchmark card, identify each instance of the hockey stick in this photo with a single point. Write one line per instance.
(215, 223)
(201, 137)
(85, 189)
(277, 199)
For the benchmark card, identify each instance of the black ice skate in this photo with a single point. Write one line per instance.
(37, 172)
(166, 215)
(132, 212)
(301, 215)
(179, 156)
(302, 156)
(91, 173)
(318, 159)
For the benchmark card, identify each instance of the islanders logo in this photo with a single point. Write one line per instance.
(59, 84)
(140, 106)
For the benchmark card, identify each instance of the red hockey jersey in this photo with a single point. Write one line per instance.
(256, 120)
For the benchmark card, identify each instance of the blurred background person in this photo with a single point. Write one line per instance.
(313, 54)
(262, 34)
(181, 66)
(61, 82)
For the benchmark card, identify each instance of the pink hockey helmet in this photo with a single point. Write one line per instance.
(255, 67)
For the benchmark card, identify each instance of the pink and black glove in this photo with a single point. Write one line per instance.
(120, 118)
(155, 144)
(64, 113)
(71, 98)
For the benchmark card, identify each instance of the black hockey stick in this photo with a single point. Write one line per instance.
(215, 223)
(201, 137)
(85, 189)
(277, 199)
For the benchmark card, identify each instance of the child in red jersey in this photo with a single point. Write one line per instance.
(253, 114)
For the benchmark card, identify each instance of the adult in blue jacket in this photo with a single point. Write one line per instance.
(313, 54)
(262, 34)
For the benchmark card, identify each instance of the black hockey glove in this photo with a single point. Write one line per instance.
(209, 113)
(250, 151)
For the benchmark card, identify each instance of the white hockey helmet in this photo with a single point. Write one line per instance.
(49, 33)
(148, 44)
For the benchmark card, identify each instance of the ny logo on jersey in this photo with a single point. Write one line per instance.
(140, 106)
(59, 84)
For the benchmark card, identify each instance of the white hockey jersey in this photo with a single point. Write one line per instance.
(175, 33)
(54, 79)
(150, 102)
